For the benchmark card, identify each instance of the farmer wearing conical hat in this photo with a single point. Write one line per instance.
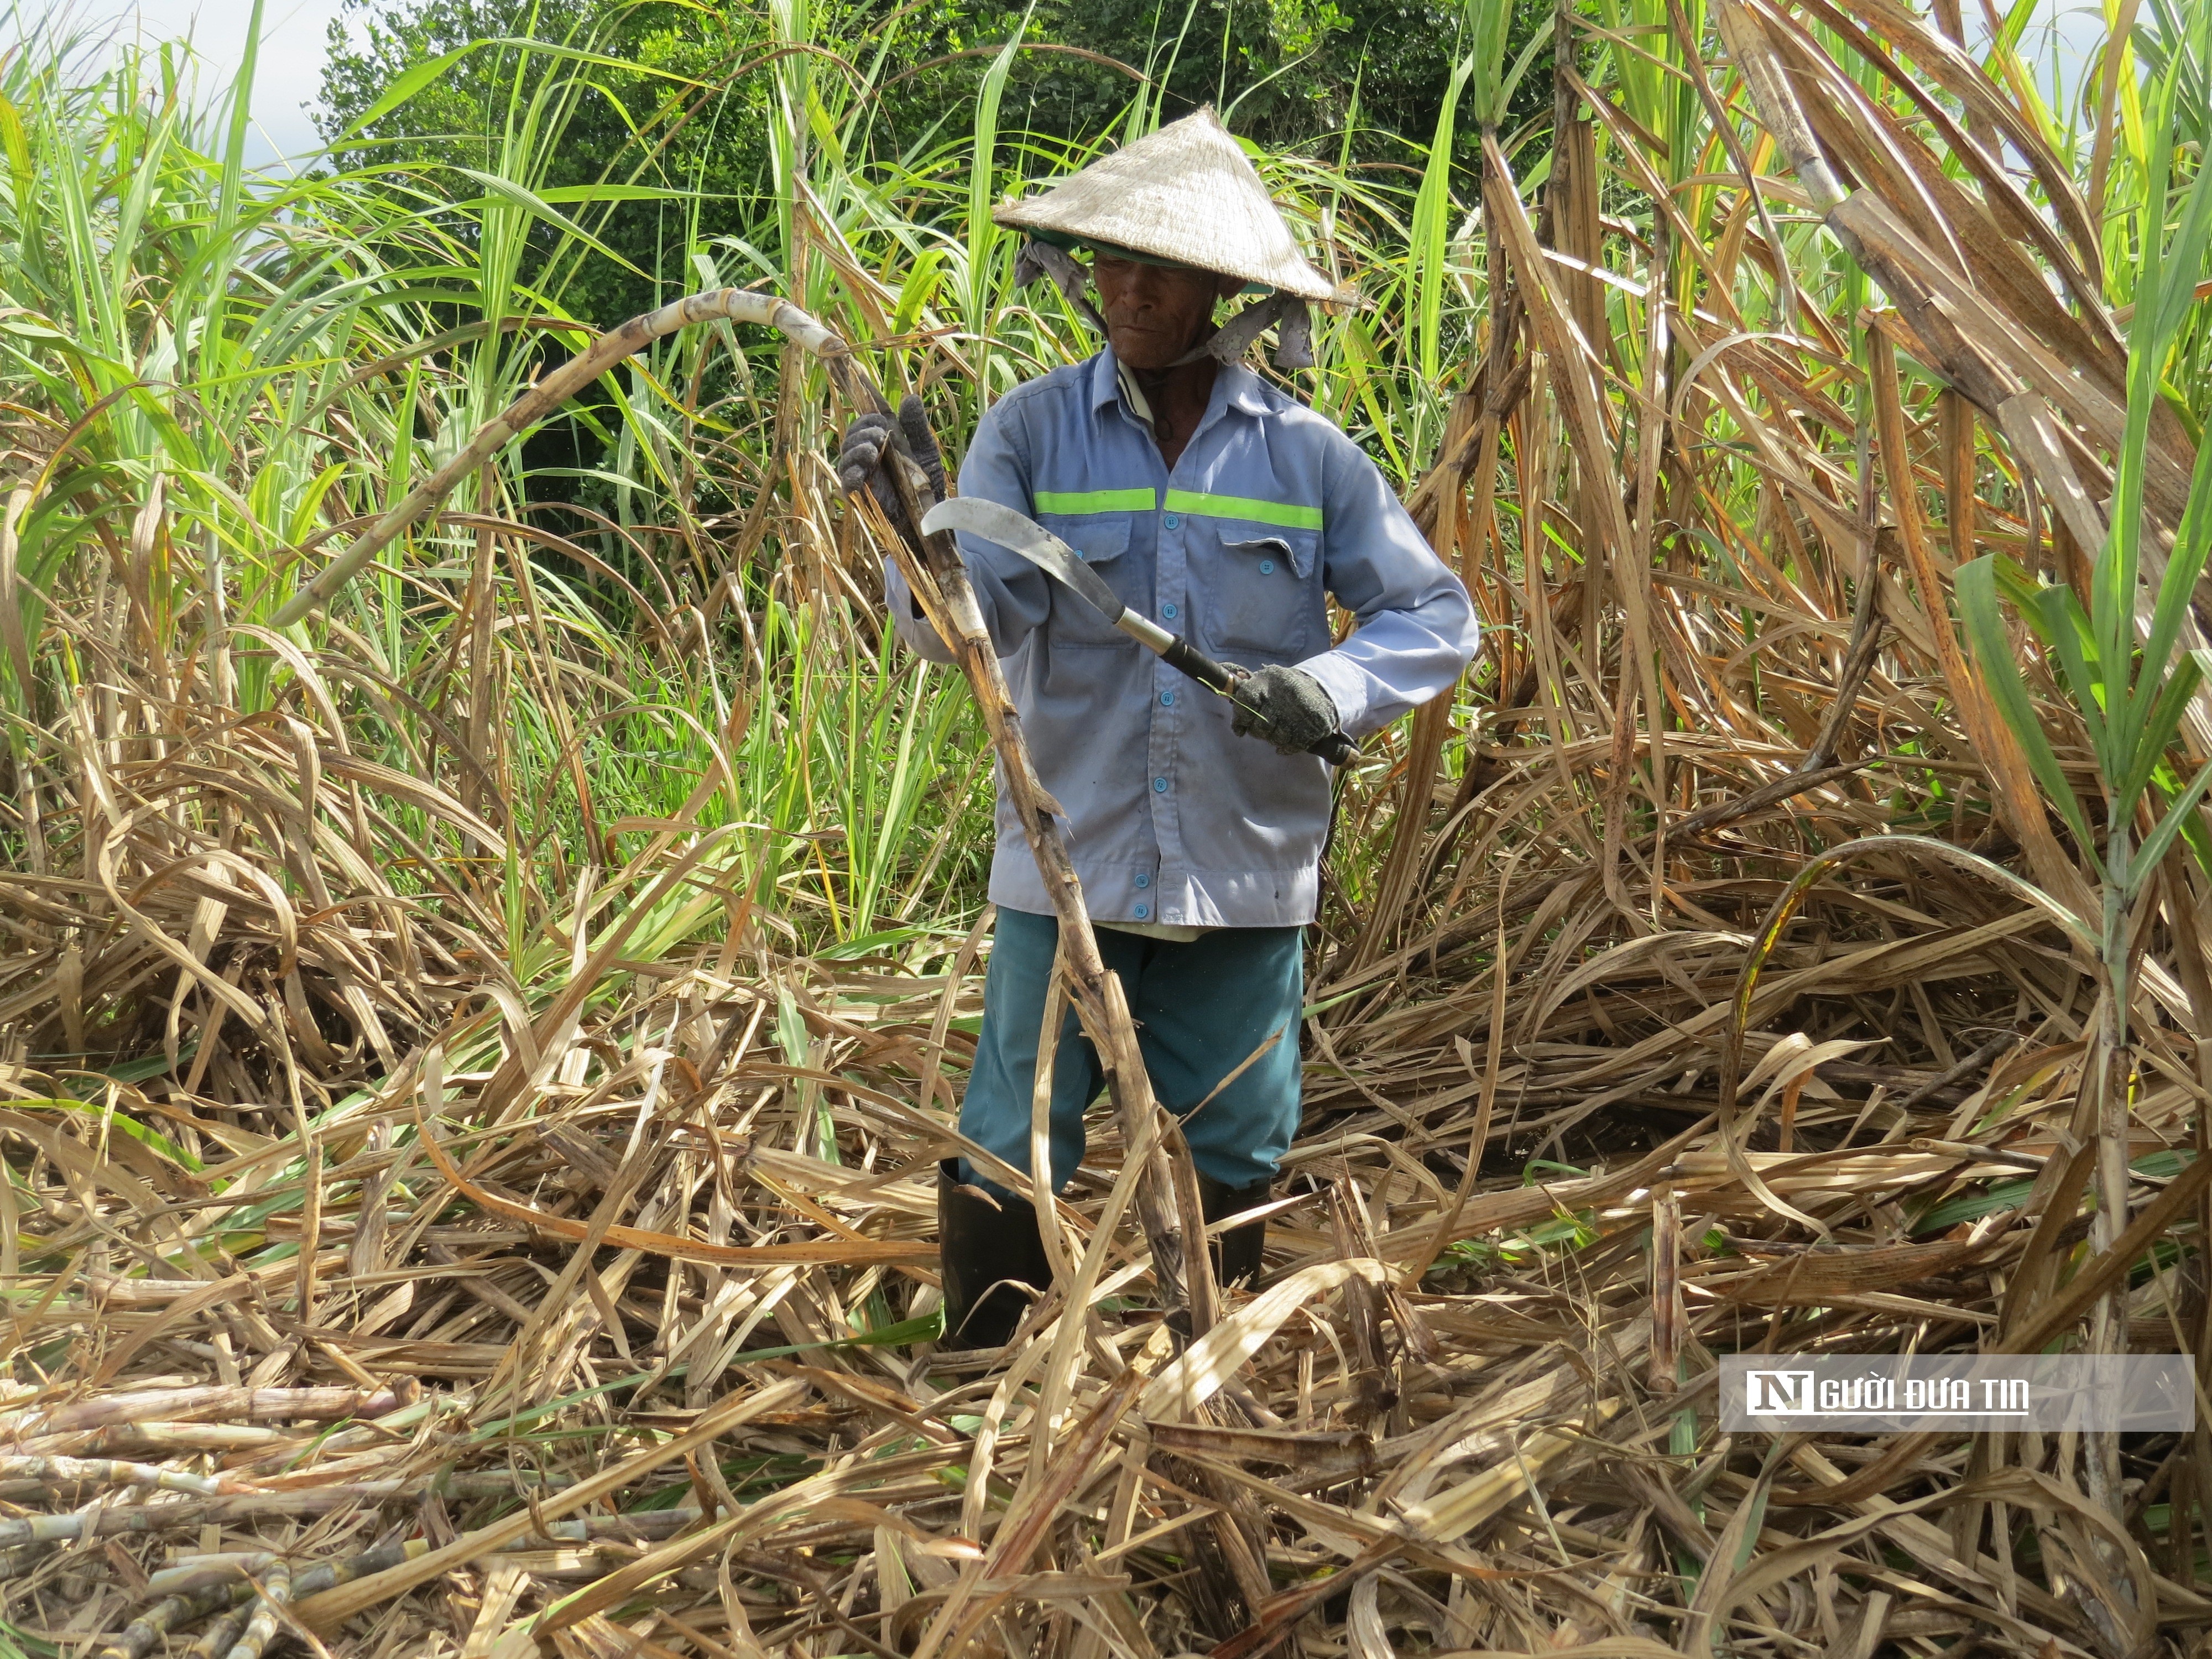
(1219, 504)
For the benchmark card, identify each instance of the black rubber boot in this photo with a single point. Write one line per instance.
(1236, 1250)
(983, 1243)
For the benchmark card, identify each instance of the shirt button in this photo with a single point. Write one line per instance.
(1159, 785)
(1144, 880)
(1142, 911)
(1167, 699)
(1168, 610)
(1266, 567)
(1171, 522)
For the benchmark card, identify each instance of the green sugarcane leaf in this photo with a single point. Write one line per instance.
(1977, 606)
(2158, 729)
(1429, 276)
(516, 195)
(2154, 845)
(1972, 1206)
(1503, 97)
(2196, 837)
(2191, 547)
(2026, 593)
(2165, 294)
(407, 85)
(590, 193)
(2177, 589)
(153, 1140)
(983, 233)
(15, 1644)
(2066, 629)
(1486, 24)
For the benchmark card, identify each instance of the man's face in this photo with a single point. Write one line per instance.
(1155, 314)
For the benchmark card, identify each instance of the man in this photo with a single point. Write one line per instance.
(1222, 506)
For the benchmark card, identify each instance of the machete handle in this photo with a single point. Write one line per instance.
(1336, 748)
(1179, 654)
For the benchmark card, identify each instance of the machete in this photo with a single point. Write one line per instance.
(1010, 530)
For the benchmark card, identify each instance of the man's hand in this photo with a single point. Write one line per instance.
(1287, 707)
(861, 459)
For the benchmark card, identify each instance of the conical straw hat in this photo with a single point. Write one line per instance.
(1185, 194)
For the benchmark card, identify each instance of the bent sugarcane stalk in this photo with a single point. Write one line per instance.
(1168, 1200)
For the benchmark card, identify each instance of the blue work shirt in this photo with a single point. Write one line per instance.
(1174, 819)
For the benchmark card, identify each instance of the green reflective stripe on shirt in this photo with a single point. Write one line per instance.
(1097, 500)
(1288, 514)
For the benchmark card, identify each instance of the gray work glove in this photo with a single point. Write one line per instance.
(860, 457)
(1287, 707)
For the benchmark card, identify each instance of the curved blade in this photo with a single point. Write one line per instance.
(1016, 534)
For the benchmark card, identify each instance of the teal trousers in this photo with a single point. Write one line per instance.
(1201, 1009)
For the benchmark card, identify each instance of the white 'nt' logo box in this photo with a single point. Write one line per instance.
(1777, 1394)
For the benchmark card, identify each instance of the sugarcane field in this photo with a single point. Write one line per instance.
(1113, 831)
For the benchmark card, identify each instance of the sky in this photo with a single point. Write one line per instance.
(294, 39)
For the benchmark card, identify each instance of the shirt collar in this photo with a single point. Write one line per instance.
(1105, 377)
(1134, 395)
(1236, 386)
(1241, 390)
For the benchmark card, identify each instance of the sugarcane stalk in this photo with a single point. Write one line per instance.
(158, 1437)
(264, 1622)
(102, 1518)
(1166, 1208)
(171, 1612)
(218, 1402)
(57, 1529)
(1167, 1201)
(193, 1572)
(247, 1629)
(110, 1472)
(217, 1639)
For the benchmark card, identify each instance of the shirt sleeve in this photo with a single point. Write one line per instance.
(1014, 595)
(1417, 628)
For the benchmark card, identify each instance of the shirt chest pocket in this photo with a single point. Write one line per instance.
(1104, 543)
(1262, 590)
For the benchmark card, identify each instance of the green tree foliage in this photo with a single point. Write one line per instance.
(1366, 78)
(673, 108)
(1287, 73)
